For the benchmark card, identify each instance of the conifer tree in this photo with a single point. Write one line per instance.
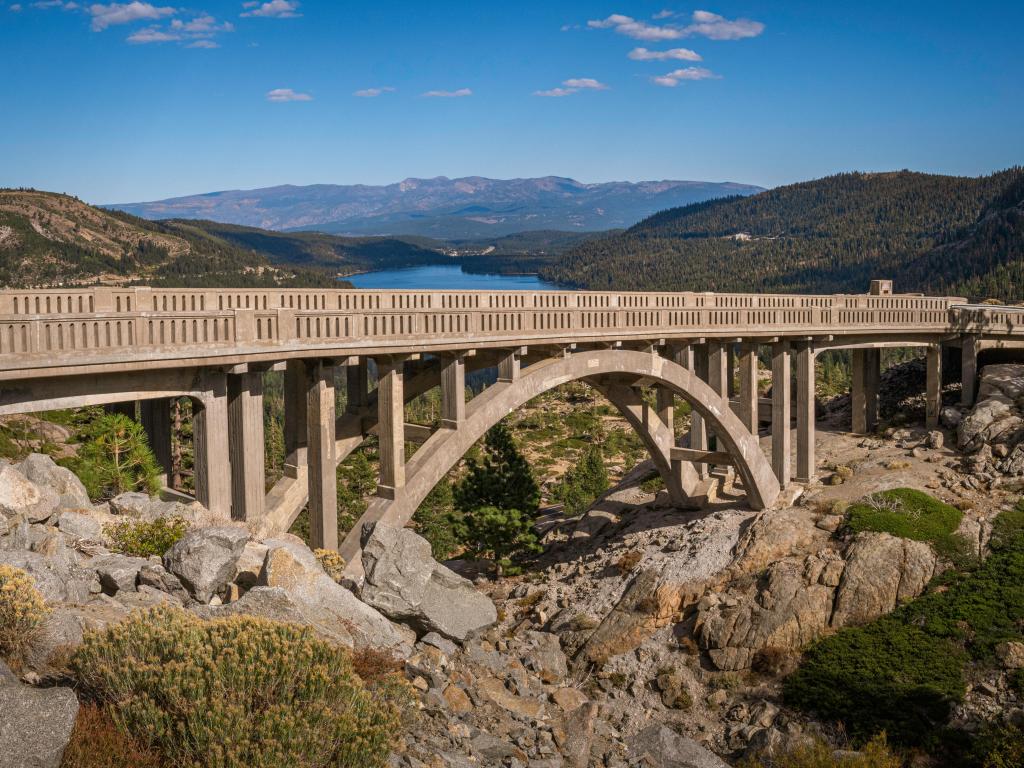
(503, 479)
(116, 458)
(585, 482)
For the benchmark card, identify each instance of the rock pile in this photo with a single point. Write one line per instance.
(992, 433)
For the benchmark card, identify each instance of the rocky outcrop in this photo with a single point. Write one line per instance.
(881, 572)
(35, 724)
(205, 559)
(44, 471)
(993, 431)
(142, 507)
(405, 583)
(20, 497)
(661, 747)
(789, 608)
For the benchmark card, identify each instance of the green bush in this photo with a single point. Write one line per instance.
(23, 613)
(497, 534)
(911, 514)
(142, 538)
(237, 693)
(902, 672)
(820, 754)
(115, 458)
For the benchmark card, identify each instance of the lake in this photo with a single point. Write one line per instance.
(442, 277)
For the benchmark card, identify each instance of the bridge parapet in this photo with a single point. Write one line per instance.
(101, 326)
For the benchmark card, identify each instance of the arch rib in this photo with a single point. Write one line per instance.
(444, 448)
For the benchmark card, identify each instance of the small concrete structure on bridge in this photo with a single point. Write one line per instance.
(101, 346)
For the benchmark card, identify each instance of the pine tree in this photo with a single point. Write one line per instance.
(116, 458)
(497, 534)
(585, 482)
(503, 479)
(436, 521)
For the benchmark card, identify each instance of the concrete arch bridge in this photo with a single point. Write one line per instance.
(110, 346)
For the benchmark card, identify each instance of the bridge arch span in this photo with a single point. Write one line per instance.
(447, 446)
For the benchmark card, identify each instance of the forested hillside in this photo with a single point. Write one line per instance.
(928, 232)
(48, 239)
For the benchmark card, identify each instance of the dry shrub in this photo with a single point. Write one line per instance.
(629, 561)
(23, 613)
(819, 754)
(332, 563)
(772, 661)
(97, 743)
(238, 692)
(371, 664)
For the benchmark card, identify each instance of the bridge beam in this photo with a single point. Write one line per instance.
(246, 444)
(323, 478)
(781, 441)
(509, 365)
(391, 425)
(748, 403)
(212, 456)
(933, 386)
(805, 412)
(357, 384)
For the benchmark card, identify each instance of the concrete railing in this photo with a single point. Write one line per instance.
(59, 328)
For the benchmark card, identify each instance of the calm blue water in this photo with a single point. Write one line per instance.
(442, 277)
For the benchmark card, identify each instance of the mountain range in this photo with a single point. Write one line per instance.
(441, 208)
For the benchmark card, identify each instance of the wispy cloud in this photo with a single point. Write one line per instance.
(556, 92)
(104, 16)
(449, 94)
(638, 30)
(152, 35)
(14, 7)
(574, 85)
(682, 54)
(369, 93)
(665, 14)
(672, 79)
(204, 24)
(66, 6)
(717, 27)
(287, 94)
(209, 44)
(702, 23)
(274, 9)
(588, 83)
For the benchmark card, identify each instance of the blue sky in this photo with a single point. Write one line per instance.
(118, 102)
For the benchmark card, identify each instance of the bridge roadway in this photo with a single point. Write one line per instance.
(104, 346)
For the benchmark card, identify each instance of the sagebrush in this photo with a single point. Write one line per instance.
(23, 613)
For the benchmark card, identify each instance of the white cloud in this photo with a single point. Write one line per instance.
(638, 30)
(369, 93)
(104, 16)
(287, 94)
(556, 92)
(665, 14)
(203, 44)
(683, 54)
(585, 82)
(66, 6)
(15, 7)
(672, 79)
(203, 24)
(274, 9)
(449, 94)
(152, 35)
(703, 23)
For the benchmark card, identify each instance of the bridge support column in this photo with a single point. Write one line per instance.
(357, 384)
(781, 440)
(323, 477)
(294, 417)
(246, 444)
(730, 368)
(748, 403)
(453, 390)
(698, 429)
(968, 368)
(125, 409)
(212, 457)
(933, 388)
(156, 421)
(864, 390)
(805, 463)
(391, 425)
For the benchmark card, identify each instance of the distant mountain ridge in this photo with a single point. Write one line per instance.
(442, 208)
